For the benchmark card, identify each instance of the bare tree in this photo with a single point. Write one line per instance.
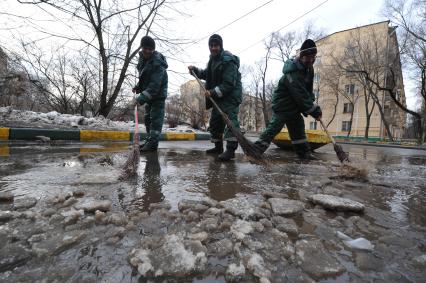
(174, 111)
(368, 106)
(261, 68)
(194, 104)
(286, 44)
(85, 85)
(110, 31)
(331, 83)
(410, 17)
(254, 90)
(364, 55)
(54, 69)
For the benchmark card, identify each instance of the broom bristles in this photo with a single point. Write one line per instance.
(130, 168)
(249, 148)
(341, 154)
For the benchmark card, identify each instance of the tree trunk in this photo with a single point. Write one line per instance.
(350, 123)
(334, 111)
(385, 123)
(367, 116)
(265, 113)
(367, 127)
(420, 130)
(368, 119)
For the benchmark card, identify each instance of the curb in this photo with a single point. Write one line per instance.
(7, 134)
(384, 145)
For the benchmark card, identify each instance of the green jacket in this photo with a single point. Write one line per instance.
(294, 94)
(152, 76)
(223, 79)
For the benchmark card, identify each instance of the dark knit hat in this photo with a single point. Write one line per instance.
(148, 42)
(216, 39)
(308, 48)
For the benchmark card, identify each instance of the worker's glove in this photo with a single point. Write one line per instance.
(317, 113)
(136, 90)
(142, 99)
(213, 93)
(132, 103)
(192, 69)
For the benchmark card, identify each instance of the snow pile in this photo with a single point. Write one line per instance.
(12, 118)
(30, 119)
(235, 272)
(170, 258)
(241, 228)
(257, 266)
(183, 129)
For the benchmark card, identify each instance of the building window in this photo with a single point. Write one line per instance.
(350, 89)
(351, 51)
(346, 126)
(398, 94)
(316, 93)
(317, 78)
(318, 61)
(313, 125)
(348, 108)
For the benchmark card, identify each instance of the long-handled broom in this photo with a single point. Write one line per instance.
(131, 166)
(337, 148)
(248, 147)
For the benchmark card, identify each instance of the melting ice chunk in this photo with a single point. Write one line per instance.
(359, 243)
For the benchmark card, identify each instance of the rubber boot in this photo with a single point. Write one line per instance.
(261, 146)
(217, 149)
(304, 152)
(149, 147)
(231, 147)
(142, 144)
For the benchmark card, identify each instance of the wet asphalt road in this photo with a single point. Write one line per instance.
(395, 195)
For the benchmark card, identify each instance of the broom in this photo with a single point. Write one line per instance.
(248, 147)
(337, 148)
(131, 166)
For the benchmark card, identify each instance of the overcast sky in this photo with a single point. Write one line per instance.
(206, 16)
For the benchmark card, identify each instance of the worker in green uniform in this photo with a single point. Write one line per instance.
(152, 86)
(292, 98)
(223, 84)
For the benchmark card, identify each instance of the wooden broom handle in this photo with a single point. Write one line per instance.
(325, 129)
(204, 89)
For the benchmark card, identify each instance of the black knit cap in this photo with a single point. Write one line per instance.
(216, 39)
(308, 48)
(148, 42)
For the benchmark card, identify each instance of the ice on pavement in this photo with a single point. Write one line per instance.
(359, 243)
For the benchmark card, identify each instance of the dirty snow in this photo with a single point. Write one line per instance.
(241, 228)
(10, 117)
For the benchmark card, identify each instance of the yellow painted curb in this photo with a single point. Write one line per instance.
(4, 151)
(314, 136)
(4, 134)
(88, 135)
(180, 136)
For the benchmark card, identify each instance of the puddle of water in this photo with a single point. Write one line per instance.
(172, 175)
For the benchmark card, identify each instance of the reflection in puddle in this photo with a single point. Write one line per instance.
(397, 205)
(395, 197)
